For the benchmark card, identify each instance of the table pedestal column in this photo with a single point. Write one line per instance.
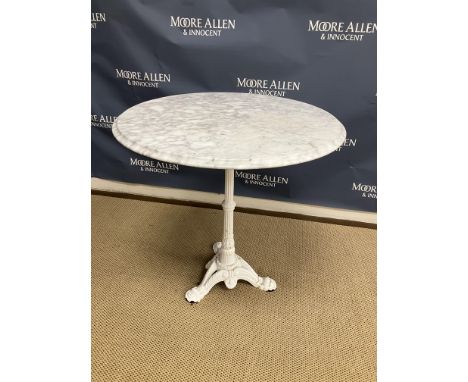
(226, 265)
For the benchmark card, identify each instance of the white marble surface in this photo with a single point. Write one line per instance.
(229, 130)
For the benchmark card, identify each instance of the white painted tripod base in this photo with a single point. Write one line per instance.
(230, 274)
(226, 265)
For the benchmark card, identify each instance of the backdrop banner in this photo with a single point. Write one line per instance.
(320, 52)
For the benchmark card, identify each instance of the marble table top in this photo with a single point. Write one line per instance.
(229, 130)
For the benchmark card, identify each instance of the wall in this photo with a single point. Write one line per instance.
(321, 52)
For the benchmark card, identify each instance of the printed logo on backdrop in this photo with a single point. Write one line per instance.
(341, 31)
(277, 88)
(143, 79)
(202, 27)
(100, 120)
(261, 180)
(154, 166)
(97, 18)
(348, 142)
(366, 190)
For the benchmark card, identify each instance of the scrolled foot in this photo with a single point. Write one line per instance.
(195, 294)
(267, 284)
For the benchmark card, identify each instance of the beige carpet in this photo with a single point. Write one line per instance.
(319, 325)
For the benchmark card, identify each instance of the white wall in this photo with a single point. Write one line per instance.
(241, 201)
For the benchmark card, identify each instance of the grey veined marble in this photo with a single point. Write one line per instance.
(229, 130)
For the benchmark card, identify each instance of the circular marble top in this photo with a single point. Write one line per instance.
(229, 130)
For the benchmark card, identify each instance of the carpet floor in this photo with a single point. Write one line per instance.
(319, 325)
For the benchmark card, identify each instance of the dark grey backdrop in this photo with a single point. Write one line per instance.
(320, 52)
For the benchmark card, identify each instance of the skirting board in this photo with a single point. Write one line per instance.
(99, 184)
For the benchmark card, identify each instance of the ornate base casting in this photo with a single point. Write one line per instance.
(230, 274)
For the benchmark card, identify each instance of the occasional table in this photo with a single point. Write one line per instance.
(228, 131)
